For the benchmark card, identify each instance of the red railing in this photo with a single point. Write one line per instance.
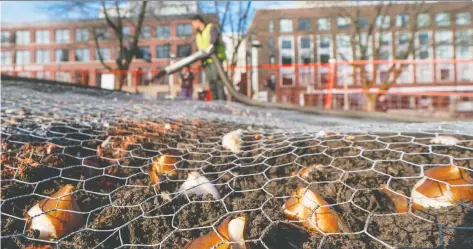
(439, 85)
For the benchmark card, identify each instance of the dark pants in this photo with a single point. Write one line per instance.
(215, 82)
(186, 92)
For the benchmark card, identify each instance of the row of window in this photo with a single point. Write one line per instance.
(82, 34)
(443, 40)
(402, 20)
(42, 56)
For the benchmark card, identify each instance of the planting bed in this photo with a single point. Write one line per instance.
(124, 210)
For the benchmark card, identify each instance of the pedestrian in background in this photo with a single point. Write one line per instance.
(187, 82)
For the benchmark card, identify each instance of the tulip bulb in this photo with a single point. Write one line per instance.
(304, 173)
(231, 231)
(199, 185)
(400, 202)
(52, 223)
(300, 206)
(324, 134)
(232, 141)
(165, 164)
(429, 193)
(445, 140)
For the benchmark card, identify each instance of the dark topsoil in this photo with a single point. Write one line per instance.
(122, 209)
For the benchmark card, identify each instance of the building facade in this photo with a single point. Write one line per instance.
(299, 42)
(66, 50)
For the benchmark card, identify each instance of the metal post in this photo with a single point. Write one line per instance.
(330, 83)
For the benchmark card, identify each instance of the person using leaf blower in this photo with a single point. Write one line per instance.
(208, 39)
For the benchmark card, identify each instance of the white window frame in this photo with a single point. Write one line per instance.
(459, 17)
(42, 36)
(22, 37)
(400, 20)
(42, 53)
(105, 58)
(424, 67)
(423, 20)
(62, 36)
(323, 26)
(438, 19)
(290, 53)
(286, 25)
(21, 56)
(5, 57)
(85, 52)
(84, 35)
(383, 22)
(306, 73)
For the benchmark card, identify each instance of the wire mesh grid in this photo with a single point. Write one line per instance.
(104, 145)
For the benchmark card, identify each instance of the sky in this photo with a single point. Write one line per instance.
(27, 11)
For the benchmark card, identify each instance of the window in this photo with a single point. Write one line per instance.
(324, 77)
(443, 37)
(402, 20)
(444, 52)
(102, 34)
(403, 38)
(464, 37)
(105, 52)
(363, 23)
(445, 74)
(463, 18)
(42, 56)
(343, 22)
(324, 42)
(144, 53)
(286, 60)
(62, 55)
(124, 51)
(6, 57)
(61, 36)
(270, 27)
(286, 44)
(184, 50)
(5, 37)
(271, 43)
(424, 38)
(324, 58)
(126, 32)
(383, 76)
(383, 22)
(41, 36)
(285, 25)
(22, 57)
(384, 39)
(145, 32)
(82, 35)
(22, 37)
(184, 30)
(383, 55)
(306, 59)
(305, 42)
(163, 32)
(423, 54)
(423, 20)
(82, 54)
(442, 19)
(323, 24)
(304, 24)
(272, 60)
(163, 51)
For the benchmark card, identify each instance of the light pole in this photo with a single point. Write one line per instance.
(171, 77)
(255, 45)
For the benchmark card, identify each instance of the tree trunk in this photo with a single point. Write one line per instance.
(371, 99)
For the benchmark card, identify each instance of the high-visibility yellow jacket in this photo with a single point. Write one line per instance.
(203, 42)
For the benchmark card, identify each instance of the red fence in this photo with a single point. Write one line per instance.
(431, 87)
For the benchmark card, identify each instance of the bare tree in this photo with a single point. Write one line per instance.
(118, 17)
(366, 38)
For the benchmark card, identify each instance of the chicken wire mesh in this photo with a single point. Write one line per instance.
(104, 144)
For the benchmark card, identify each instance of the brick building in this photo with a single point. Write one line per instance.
(65, 49)
(314, 35)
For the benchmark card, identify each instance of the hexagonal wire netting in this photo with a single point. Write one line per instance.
(53, 136)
